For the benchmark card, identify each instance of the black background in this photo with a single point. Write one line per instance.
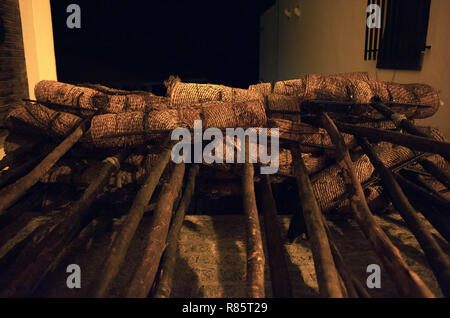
(146, 41)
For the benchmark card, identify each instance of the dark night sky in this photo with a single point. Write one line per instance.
(146, 41)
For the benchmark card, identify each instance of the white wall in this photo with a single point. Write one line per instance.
(329, 37)
(37, 33)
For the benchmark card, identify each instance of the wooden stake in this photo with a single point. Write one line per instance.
(145, 275)
(414, 142)
(327, 275)
(38, 257)
(255, 252)
(279, 274)
(407, 282)
(169, 259)
(15, 191)
(437, 259)
(114, 260)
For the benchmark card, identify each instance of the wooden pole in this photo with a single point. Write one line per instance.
(279, 274)
(417, 178)
(437, 259)
(353, 286)
(169, 259)
(327, 275)
(15, 191)
(115, 258)
(414, 142)
(145, 275)
(423, 192)
(38, 257)
(407, 282)
(255, 252)
(440, 174)
(402, 122)
(438, 217)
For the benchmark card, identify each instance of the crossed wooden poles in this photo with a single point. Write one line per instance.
(40, 256)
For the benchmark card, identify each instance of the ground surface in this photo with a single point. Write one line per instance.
(211, 258)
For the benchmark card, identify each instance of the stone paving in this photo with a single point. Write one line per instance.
(211, 260)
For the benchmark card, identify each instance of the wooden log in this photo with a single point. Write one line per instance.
(279, 274)
(37, 258)
(414, 142)
(255, 252)
(145, 275)
(327, 275)
(408, 283)
(114, 260)
(165, 281)
(15, 191)
(402, 122)
(437, 259)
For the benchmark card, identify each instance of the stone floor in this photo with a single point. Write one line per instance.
(211, 260)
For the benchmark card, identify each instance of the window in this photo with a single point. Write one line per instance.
(401, 35)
